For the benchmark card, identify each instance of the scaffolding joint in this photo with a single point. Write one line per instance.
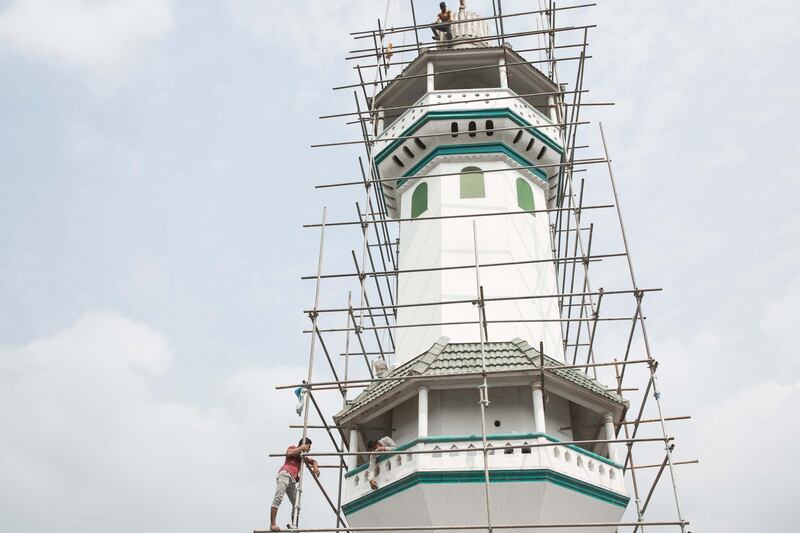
(484, 391)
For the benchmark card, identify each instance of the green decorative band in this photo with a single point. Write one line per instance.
(482, 148)
(478, 438)
(495, 476)
(477, 114)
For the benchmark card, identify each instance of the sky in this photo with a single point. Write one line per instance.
(156, 173)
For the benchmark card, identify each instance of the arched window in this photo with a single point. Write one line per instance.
(419, 200)
(472, 183)
(524, 195)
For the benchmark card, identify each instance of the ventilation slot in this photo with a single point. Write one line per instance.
(517, 137)
(542, 152)
(530, 145)
(454, 129)
(419, 143)
(489, 128)
(472, 128)
(397, 160)
(408, 152)
(525, 450)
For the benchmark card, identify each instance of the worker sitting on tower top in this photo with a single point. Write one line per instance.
(385, 444)
(289, 475)
(442, 23)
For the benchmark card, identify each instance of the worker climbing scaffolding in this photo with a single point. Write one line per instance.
(289, 476)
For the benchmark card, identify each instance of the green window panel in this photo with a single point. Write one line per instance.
(419, 200)
(472, 185)
(524, 195)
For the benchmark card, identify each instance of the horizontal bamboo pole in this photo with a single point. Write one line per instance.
(547, 444)
(364, 382)
(365, 34)
(490, 528)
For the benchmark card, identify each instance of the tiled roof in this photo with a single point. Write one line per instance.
(446, 358)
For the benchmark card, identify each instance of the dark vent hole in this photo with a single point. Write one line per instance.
(518, 136)
(472, 129)
(489, 128)
(542, 152)
(419, 143)
(408, 152)
(530, 145)
(397, 160)
(454, 129)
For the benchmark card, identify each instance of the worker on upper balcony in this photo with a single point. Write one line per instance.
(442, 24)
(385, 444)
(289, 475)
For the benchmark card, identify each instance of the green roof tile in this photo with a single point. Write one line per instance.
(446, 358)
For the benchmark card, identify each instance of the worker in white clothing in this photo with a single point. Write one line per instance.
(385, 444)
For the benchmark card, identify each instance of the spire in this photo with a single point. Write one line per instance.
(468, 27)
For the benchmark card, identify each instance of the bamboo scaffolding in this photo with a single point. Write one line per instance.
(487, 171)
(450, 217)
(572, 238)
(517, 35)
(364, 382)
(439, 104)
(384, 273)
(497, 526)
(390, 31)
(451, 71)
(547, 444)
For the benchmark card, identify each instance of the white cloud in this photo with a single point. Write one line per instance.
(747, 460)
(89, 445)
(101, 36)
(317, 30)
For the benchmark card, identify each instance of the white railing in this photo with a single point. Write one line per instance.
(459, 455)
(469, 99)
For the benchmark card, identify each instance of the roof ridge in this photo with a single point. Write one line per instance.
(424, 360)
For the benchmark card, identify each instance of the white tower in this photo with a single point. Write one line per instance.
(471, 133)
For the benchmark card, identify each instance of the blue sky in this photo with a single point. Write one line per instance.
(156, 173)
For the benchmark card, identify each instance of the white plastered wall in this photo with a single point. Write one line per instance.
(449, 242)
(404, 421)
(456, 412)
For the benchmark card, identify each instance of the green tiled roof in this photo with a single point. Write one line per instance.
(446, 358)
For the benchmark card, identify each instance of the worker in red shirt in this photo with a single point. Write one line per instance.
(289, 475)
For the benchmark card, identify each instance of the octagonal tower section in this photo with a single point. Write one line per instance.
(434, 478)
(462, 133)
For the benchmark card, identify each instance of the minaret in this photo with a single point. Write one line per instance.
(457, 154)
(469, 132)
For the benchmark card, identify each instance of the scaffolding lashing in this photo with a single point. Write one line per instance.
(602, 331)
